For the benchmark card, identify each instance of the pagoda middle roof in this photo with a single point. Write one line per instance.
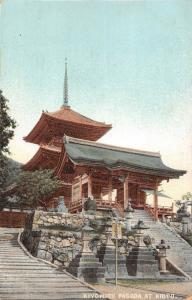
(46, 157)
(66, 121)
(82, 152)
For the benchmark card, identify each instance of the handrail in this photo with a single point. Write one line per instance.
(120, 209)
(160, 209)
(150, 210)
(160, 206)
(98, 200)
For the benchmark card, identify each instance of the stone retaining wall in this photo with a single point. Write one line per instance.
(55, 237)
(54, 219)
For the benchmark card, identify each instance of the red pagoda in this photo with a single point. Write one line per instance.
(110, 174)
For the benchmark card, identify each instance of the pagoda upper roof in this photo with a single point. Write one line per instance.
(83, 152)
(66, 121)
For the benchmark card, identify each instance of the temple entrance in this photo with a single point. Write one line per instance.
(136, 196)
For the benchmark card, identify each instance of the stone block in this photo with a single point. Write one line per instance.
(142, 264)
(41, 254)
(50, 220)
(49, 256)
(66, 243)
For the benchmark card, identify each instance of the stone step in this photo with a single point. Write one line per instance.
(26, 272)
(50, 296)
(23, 267)
(178, 246)
(32, 277)
(40, 281)
(67, 288)
(19, 262)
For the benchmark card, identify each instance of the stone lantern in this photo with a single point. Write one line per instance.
(183, 216)
(90, 206)
(128, 216)
(141, 261)
(86, 231)
(162, 247)
(109, 253)
(108, 231)
(86, 265)
(140, 227)
(61, 205)
(185, 221)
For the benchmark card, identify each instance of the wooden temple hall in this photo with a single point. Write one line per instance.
(68, 144)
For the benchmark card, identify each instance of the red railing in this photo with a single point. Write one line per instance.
(75, 205)
(161, 210)
(120, 209)
(150, 210)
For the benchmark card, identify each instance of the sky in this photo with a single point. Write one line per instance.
(129, 64)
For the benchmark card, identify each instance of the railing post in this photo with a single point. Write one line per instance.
(155, 204)
(126, 192)
(89, 186)
(110, 189)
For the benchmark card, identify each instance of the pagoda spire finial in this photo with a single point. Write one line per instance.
(65, 92)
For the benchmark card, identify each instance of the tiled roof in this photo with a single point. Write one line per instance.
(112, 157)
(65, 113)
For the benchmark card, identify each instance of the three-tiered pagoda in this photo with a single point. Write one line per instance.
(112, 175)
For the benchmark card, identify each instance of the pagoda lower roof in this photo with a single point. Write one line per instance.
(66, 121)
(45, 158)
(87, 153)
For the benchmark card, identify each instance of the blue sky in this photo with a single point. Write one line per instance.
(129, 63)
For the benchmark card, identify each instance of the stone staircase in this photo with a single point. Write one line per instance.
(24, 277)
(180, 252)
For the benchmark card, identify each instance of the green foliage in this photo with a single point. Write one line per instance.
(187, 196)
(7, 126)
(33, 188)
(13, 170)
(3, 171)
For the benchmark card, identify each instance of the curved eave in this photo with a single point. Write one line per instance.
(45, 158)
(35, 135)
(79, 129)
(46, 128)
(67, 114)
(121, 165)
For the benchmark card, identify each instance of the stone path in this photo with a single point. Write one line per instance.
(23, 277)
(180, 252)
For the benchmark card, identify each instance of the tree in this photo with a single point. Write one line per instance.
(187, 196)
(7, 126)
(34, 188)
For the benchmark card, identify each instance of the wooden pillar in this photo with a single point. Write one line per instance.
(138, 196)
(81, 192)
(89, 186)
(110, 189)
(80, 188)
(126, 192)
(155, 199)
(72, 193)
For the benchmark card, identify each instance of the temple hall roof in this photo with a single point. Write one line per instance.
(82, 152)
